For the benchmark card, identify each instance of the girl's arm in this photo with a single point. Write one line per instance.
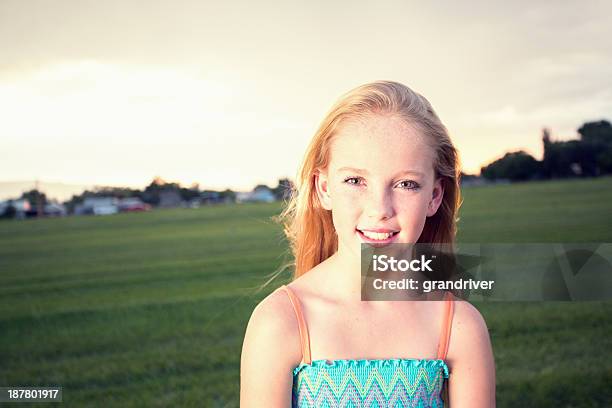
(472, 378)
(270, 351)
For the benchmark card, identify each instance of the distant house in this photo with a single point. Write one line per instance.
(213, 197)
(55, 210)
(242, 196)
(169, 199)
(259, 194)
(21, 207)
(98, 206)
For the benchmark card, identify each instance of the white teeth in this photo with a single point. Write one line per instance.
(377, 235)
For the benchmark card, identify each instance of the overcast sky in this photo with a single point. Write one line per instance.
(229, 94)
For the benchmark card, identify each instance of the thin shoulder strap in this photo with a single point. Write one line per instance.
(304, 338)
(447, 322)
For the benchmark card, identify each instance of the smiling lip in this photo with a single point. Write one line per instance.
(378, 241)
(381, 230)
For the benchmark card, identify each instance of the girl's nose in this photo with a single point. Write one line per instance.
(380, 205)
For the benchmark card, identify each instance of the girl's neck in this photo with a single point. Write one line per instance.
(344, 277)
(343, 280)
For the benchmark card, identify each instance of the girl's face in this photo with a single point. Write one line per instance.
(380, 184)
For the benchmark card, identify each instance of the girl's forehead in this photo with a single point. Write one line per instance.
(379, 129)
(381, 142)
(376, 123)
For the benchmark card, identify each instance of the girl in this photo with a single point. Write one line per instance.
(381, 168)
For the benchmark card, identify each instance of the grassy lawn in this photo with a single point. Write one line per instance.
(149, 309)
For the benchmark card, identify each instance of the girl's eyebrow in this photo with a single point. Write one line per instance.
(364, 171)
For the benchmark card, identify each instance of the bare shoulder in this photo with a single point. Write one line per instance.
(468, 324)
(470, 356)
(272, 324)
(270, 351)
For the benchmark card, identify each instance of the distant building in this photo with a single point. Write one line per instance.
(210, 197)
(98, 206)
(20, 206)
(214, 197)
(55, 210)
(242, 196)
(259, 194)
(169, 199)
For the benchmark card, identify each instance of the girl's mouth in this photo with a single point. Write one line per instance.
(377, 237)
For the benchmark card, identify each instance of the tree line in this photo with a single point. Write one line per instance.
(588, 156)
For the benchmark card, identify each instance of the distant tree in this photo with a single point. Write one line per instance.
(189, 194)
(604, 160)
(597, 138)
(598, 133)
(466, 176)
(515, 166)
(109, 191)
(36, 198)
(71, 203)
(283, 190)
(158, 181)
(261, 187)
(551, 162)
(228, 195)
(151, 193)
(585, 157)
(9, 211)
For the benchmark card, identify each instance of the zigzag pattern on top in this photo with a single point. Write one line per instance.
(370, 383)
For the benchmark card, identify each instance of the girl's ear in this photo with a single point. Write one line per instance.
(322, 186)
(436, 198)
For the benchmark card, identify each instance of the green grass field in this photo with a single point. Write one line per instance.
(149, 309)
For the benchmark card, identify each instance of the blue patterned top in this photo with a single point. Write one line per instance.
(369, 383)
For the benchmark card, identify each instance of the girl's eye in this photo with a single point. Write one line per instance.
(409, 185)
(352, 180)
